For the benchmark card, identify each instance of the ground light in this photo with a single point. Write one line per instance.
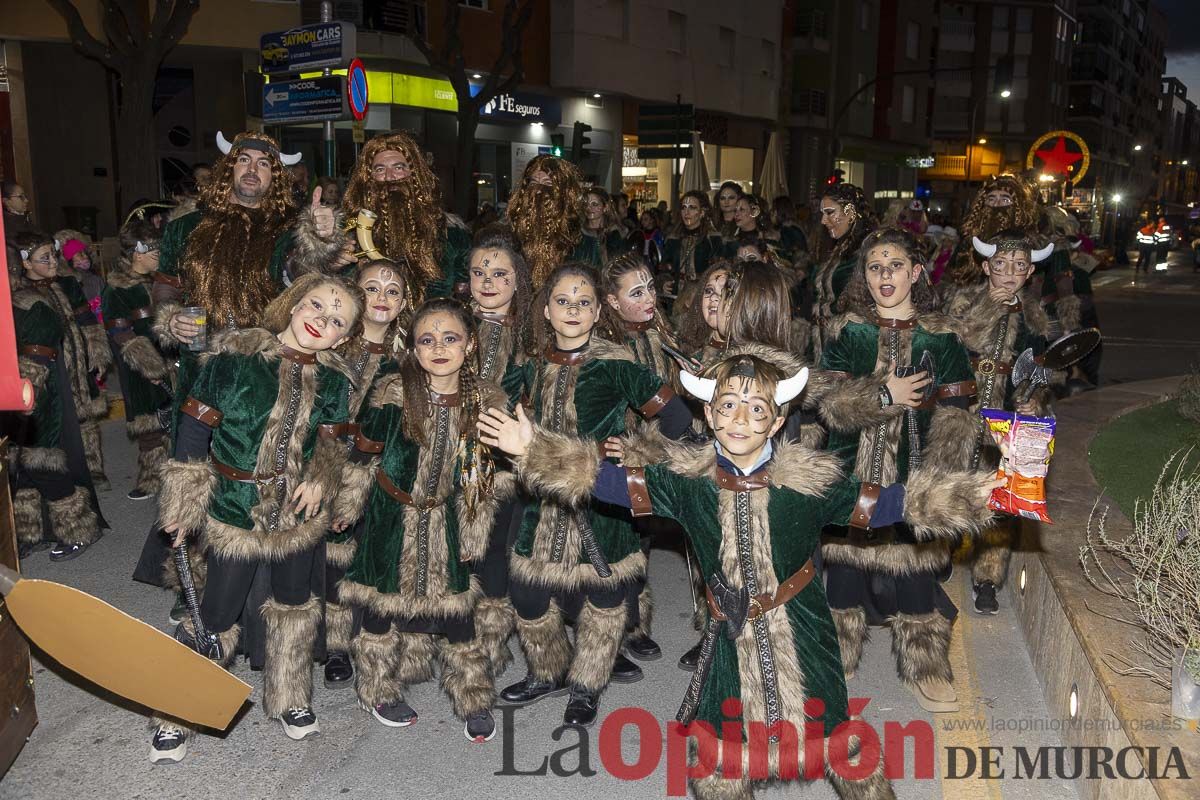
(1021, 581)
(1073, 701)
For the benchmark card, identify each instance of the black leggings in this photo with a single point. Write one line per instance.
(532, 602)
(455, 629)
(492, 569)
(228, 585)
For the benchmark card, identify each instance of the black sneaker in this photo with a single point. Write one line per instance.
(338, 669)
(985, 598)
(168, 745)
(299, 723)
(625, 671)
(643, 648)
(396, 714)
(138, 494)
(530, 690)
(65, 552)
(582, 707)
(691, 658)
(480, 727)
(179, 611)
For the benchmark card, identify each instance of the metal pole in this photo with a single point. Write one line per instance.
(675, 159)
(330, 142)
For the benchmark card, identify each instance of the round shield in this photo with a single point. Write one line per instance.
(1071, 348)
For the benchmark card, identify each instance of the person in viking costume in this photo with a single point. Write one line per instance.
(394, 184)
(51, 475)
(423, 480)
(896, 410)
(545, 212)
(371, 356)
(1000, 320)
(600, 223)
(578, 559)
(256, 464)
(142, 366)
(1003, 203)
(753, 511)
(847, 217)
(690, 248)
(703, 326)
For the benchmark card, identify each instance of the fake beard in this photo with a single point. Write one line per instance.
(993, 221)
(408, 229)
(542, 231)
(226, 268)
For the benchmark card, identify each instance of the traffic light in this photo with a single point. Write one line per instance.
(579, 142)
(556, 145)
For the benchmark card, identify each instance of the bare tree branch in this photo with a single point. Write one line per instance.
(80, 37)
(176, 25)
(132, 14)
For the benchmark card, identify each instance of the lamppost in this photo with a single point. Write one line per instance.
(1005, 93)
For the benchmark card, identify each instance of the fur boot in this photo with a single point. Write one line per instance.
(993, 550)
(287, 674)
(339, 627)
(27, 515)
(93, 451)
(152, 454)
(495, 620)
(645, 613)
(852, 632)
(417, 654)
(467, 678)
(875, 786)
(73, 520)
(921, 645)
(375, 658)
(544, 641)
(597, 638)
(715, 787)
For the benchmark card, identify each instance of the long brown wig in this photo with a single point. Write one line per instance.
(694, 332)
(857, 296)
(985, 222)
(547, 219)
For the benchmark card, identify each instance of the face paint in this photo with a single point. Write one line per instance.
(636, 297)
(493, 280)
(572, 311)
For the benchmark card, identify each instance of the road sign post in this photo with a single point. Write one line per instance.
(665, 131)
(305, 100)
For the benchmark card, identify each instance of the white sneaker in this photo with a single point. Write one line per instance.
(168, 745)
(299, 723)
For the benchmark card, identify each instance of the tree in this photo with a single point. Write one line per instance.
(133, 50)
(505, 74)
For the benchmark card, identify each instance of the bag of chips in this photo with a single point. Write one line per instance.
(1029, 442)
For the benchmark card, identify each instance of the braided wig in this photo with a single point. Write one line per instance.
(547, 219)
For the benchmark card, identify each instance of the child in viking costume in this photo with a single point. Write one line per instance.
(256, 464)
(85, 348)
(143, 369)
(545, 212)
(896, 411)
(1000, 320)
(753, 512)
(600, 223)
(393, 181)
(691, 247)
(703, 322)
(578, 558)
(847, 217)
(371, 357)
(500, 296)
(50, 468)
(424, 482)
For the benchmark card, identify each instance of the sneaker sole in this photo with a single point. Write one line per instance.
(522, 703)
(68, 556)
(982, 611)
(300, 733)
(139, 499)
(393, 723)
(686, 667)
(479, 739)
(168, 756)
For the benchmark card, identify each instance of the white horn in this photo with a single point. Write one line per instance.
(699, 388)
(789, 388)
(223, 144)
(1038, 255)
(289, 159)
(983, 248)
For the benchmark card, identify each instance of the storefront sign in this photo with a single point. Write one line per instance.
(305, 100)
(328, 44)
(919, 162)
(522, 107)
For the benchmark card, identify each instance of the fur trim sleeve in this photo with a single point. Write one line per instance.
(953, 436)
(645, 446)
(559, 466)
(33, 372)
(162, 323)
(310, 251)
(849, 404)
(352, 492)
(99, 353)
(326, 466)
(186, 489)
(940, 504)
(1070, 313)
(140, 355)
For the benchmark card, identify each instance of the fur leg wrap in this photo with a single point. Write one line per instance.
(495, 620)
(921, 645)
(339, 627)
(287, 674)
(73, 520)
(89, 432)
(27, 515)
(467, 678)
(199, 564)
(417, 654)
(544, 641)
(993, 550)
(852, 633)
(375, 658)
(875, 786)
(597, 637)
(150, 463)
(645, 613)
(715, 787)
(944, 505)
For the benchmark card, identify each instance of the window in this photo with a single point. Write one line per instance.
(809, 101)
(1024, 20)
(1000, 19)
(912, 41)
(908, 104)
(727, 42)
(676, 32)
(768, 57)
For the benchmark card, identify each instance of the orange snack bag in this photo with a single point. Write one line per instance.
(1029, 441)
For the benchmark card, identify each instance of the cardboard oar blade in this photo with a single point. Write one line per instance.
(124, 655)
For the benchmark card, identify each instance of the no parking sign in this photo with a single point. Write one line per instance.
(356, 89)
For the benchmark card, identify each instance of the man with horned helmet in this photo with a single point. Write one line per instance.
(393, 182)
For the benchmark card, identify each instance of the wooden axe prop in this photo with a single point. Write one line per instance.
(124, 655)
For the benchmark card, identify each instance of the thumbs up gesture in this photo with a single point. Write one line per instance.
(322, 215)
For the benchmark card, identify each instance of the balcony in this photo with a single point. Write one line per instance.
(985, 162)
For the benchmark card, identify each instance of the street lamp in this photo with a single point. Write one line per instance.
(1117, 198)
(1137, 148)
(1007, 93)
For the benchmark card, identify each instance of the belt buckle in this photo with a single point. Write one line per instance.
(986, 366)
(756, 609)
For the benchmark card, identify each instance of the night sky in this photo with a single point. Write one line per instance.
(1183, 43)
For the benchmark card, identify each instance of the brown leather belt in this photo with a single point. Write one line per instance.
(241, 475)
(145, 312)
(202, 413)
(400, 496)
(987, 366)
(864, 507)
(959, 389)
(38, 350)
(761, 604)
(656, 404)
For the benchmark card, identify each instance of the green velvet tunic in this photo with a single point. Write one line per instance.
(588, 251)
(608, 246)
(590, 400)
(689, 257)
(456, 247)
(38, 325)
(142, 396)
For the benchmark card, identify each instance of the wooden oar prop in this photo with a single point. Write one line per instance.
(124, 655)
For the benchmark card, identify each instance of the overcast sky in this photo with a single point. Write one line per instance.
(1183, 43)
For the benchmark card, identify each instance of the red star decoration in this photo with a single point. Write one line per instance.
(1058, 160)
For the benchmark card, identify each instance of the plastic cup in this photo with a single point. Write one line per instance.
(198, 317)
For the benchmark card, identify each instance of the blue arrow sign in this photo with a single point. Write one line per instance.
(305, 100)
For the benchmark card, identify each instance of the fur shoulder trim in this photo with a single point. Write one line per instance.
(491, 395)
(691, 460)
(245, 342)
(937, 323)
(331, 359)
(960, 300)
(388, 390)
(27, 298)
(835, 326)
(804, 470)
(121, 278)
(603, 350)
(802, 331)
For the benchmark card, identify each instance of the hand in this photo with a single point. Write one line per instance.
(307, 499)
(907, 391)
(497, 429)
(178, 535)
(1002, 296)
(992, 483)
(689, 364)
(322, 215)
(182, 327)
(1028, 407)
(339, 525)
(614, 449)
